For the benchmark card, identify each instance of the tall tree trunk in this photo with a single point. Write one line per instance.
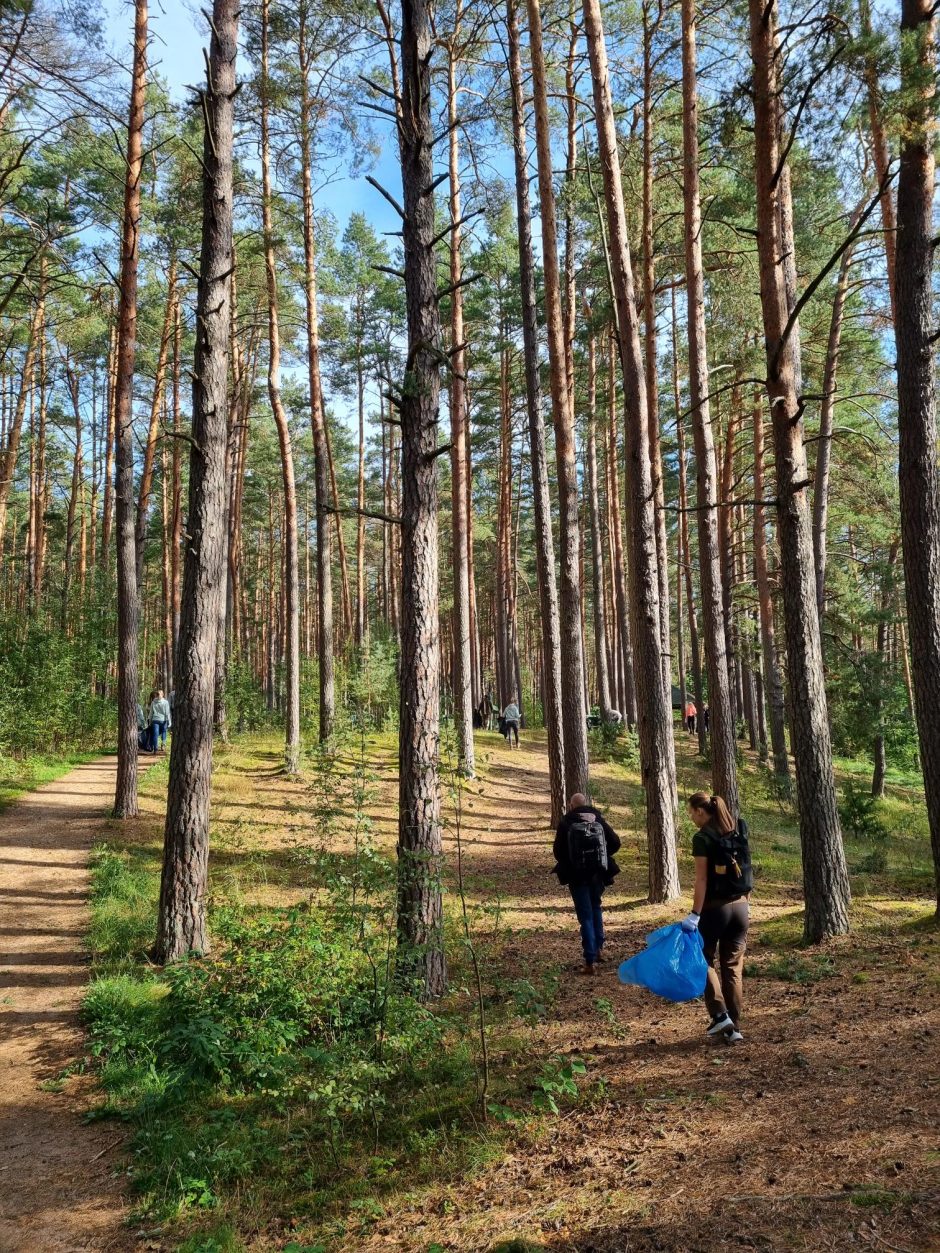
(361, 607)
(572, 652)
(620, 567)
(420, 923)
(321, 452)
(888, 599)
(291, 574)
(653, 700)
(544, 540)
(880, 152)
(181, 924)
(685, 551)
(463, 664)
(107, 507)
(176, 527)
(824, 444)
(11, 446)
(773, 680)
(597, 558)
(721, 720)
(919, 472)
(649, 332)
(125, 795)
(74, 494)
(825, 877)
(150, 448)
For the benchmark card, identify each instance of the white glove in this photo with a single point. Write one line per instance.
(690, 923)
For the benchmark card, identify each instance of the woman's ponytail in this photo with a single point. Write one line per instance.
(716, 809)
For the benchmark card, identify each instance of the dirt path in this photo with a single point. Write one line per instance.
(58, 1192)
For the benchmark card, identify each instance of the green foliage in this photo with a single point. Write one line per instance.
(558, 1081)
(859, 814)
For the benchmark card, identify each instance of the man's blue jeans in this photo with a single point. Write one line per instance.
(157, 735)
(587, 905)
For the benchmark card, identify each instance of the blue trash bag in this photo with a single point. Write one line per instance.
(672, 965)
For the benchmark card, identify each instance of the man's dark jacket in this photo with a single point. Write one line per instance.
(563, 868)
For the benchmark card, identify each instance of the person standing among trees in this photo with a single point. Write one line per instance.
(720, 911)
(584, 849)
(512, 719)
(690, 717)
(160, 720)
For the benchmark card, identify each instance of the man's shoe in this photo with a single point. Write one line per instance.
(732, 1035)
(589, 968)
(720, 1024)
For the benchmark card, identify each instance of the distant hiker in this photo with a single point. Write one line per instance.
(584, 848)
(690, 717)
(160, 721)
(478, 718)
(143, 730)
(486, 711)
(723, 882)
(705, 719)
(511, 720)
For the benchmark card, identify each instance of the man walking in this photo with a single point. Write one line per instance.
(584, 848)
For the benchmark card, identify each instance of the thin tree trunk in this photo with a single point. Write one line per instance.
(824, 443)
(181, 925)
(361, 607)
(825, 876)
(620, 566)
(572, 652)
(773, 681)
(10, 450)
(108, 503)
(880, 152)
(654, 701)
(919, 472)
(150, 448)
(420, 923)
(463, 663)
(597, 558)
(125, 795)
(721, 720)
(544, 540)
(292, 618)
(879, 757)
(321, 452)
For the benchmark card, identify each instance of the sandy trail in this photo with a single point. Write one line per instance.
(58, 1191)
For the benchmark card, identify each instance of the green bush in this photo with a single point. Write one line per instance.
(859, 816)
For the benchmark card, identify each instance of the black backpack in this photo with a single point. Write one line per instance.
(587, 846)
(730, 872)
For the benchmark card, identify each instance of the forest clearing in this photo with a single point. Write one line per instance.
(823, 1128)
(469, 626)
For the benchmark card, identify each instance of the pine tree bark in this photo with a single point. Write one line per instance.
(321, 452)
(544, 539)
(721, 721)
(880, 152)
(597, 551)
(773, 680)
(421, 957)
(620, 566)
(125, 795)
(825, 876)
(459, 420)
(150, 448)
(181, 924)
(10, 450)
(291, 571)
(572, 651)
(919, 471)
(824, 443)
(654, 702)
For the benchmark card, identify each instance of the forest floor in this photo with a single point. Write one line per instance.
(819, 1132)
(58, 1189)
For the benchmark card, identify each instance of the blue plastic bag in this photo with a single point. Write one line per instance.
(672, 965)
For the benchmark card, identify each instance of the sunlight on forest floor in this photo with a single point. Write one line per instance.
(822, 1126)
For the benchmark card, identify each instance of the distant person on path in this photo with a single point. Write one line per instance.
(723, 882)
(486, 711)
(512, 718)
(690, 717)
(705, 719)
(584, 848)
(143, 728)
(160, 721)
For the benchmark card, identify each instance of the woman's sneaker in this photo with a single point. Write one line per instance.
(732, 1035)
(720, 1024)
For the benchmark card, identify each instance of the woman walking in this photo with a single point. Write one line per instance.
(723, 882)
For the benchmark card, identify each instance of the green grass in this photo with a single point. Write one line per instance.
(24, 774)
